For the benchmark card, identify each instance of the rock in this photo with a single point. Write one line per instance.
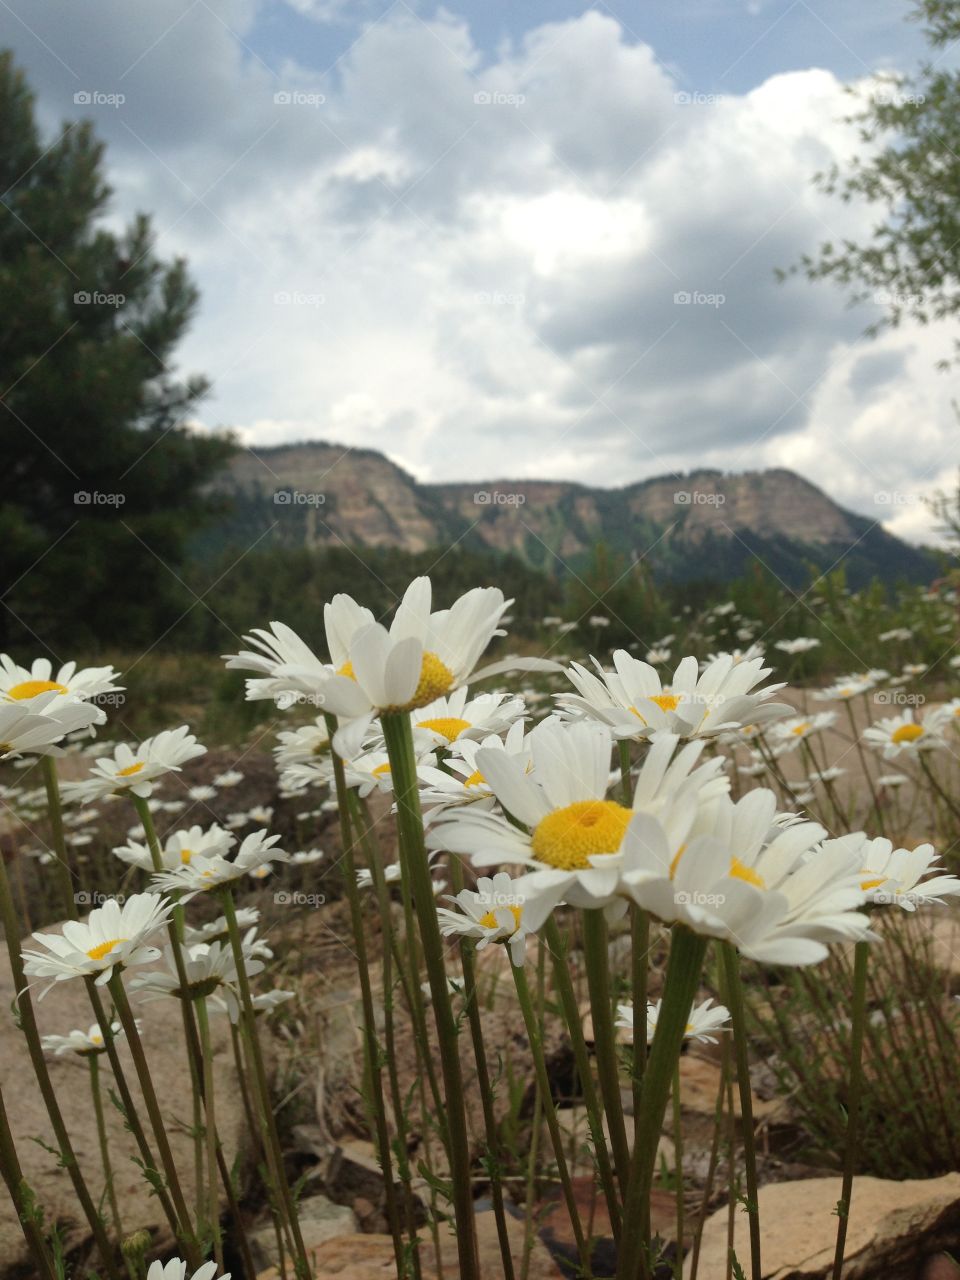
(66, 1007)
(320, 1220)
(894, 1228)
(700, 1083)
(371, 1257)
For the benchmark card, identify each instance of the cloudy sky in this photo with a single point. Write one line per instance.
(464, 234)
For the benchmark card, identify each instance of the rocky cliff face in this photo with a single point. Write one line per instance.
(320, 494)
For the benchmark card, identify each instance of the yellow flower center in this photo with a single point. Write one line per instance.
(489, 921)
(130, 769)
(347, 670)
(185, 856)
(568, 837)
(867, 885)
(741, 872)
(30, 689)
(104, 948)
(675, 861)
(907, 733)
(476, 779)
(436, 679)
(96, 1038)
(381, 769)
(666, 701)
(800, 729)
(449, 727)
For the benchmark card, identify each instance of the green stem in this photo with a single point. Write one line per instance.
(730, 962)
(186, 1230)
(210, 1129)
(861, 754)
(28, 1024)
(678, 1168)
(94, 1061)
(413, 853)
(28, 1211)
(596, 952)
(639, 962)
(55, 815)
(684, 967)
(372, 1053)
(571, 1014)
(860, 956)
(550, 1113)
(249, 1017)
(714, 1156)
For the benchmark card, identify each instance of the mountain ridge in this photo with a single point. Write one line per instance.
(706, 523)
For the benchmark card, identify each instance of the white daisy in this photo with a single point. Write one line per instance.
(896, 735)
(231, 778)
(208, 969)
(802, 644)
(307, 857)
(455, 719)
(573, 831)
(844, 689)
(176, 1269)
(18, 684)
(493, 912)
(111, 937)
(38, 725)
(633, 702)
(896, 876)
(460, 781)
(84, 1043)
(704, 1018)
(657, 656)
(791, 732)
(741, 875)
(136, 770)
(217, 930)
(201, 874)
(179, 848)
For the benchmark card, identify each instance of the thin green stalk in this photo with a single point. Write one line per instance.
(730, 962)
(249, 1025)
(68, 903)
(29, 1213)
(94, 1064)
(861, 754)
(684, 967)
(28, 1024)
(860, 957)
(550, 1113)
(639, 964)
(571, 1015)
(678, 1169)
(210, 1129)
(372, 1052)
(714, 1156)
(130, 1115)
(931, 778)
(186, 1232)
(413, 853)
(596, 953)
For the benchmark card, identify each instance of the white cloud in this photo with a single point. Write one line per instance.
(471, 262)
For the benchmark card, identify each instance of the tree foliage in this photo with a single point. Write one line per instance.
(101, 477)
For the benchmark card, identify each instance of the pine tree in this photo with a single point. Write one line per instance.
(102, 482)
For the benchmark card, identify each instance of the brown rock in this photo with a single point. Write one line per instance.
(894, 1227)
(65, 1007)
